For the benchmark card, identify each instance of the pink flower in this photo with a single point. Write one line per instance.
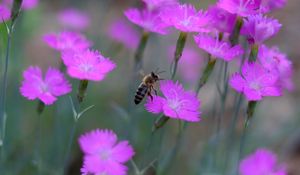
(258, 28)
(103, 154)
(67, 41)
(4, 13)
(122, 32)
(150, 21)
(222, 20)
(34, 86)
(275, 61)
(255, 82)
(242, 8)
(218, 49)
(26, 4)
(153, 5)
(176, 103)
(74, 19)
(269, 5)
(186, 18)
(261, 162)
(87, 65)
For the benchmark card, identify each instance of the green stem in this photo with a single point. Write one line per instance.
(83, 84)
(138, 56)
(253, 53)
(234, 37)
(206, 73)
(178, 52)
(160, 122)
(69, 146)
(40, 108)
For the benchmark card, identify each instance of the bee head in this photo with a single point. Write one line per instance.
(154, 76)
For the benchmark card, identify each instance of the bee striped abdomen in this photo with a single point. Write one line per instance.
(140, 93)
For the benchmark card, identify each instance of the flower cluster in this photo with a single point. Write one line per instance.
(261, 162)
(103, 154)
(176, 103)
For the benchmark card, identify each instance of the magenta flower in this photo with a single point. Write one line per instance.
(261, 162)
(74, 19)
(67, 41)
(255, 82)
(150, 21)
(48, 89)
(269, 5)
(26, 4)
(258, 28)
(103, 154)
(4, 13)
(153, 5)
(186, 18)
(122, 32)
(275, 61)
(176, 103)
(87, 65)
(218, 49)
(222, 20)
(242, 8)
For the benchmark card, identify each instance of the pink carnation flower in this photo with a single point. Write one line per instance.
(74, 19)
(218, 49)
(34, 86)
(258, 28)
(153, 5)
(274, 60)
(222, 20)
(4, 13)
(242, 8)
(186, 18)
(26, 4)
(67, 41)
(176, 103)
(261, 162)
(150, 21)
(122, 32)
(103, 154)
(255, 82)
(87, 65)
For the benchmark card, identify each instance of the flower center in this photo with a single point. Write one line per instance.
(104, 154)
(44, 87)
(86, 67)
(174, 104)
(255, 86)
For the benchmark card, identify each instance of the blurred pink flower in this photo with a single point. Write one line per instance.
(26, 4)
(153, 5)
(258, 28)
(4, 13)
(176, 103)
(87, 65)
(122, 32)
(269, 5)
(255, 82)
(222, 20)
(34, 86)
(103, 154)
(261, 162)
(74, 19)
(218, 49)
(150, 21)
(275, 61)
(186, 18)
(242, 8)
(67, 41)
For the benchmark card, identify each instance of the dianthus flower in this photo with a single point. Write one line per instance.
(242, 8)
(258, 28)
(269, 5)
(275, 61)
(221, 20)
(87, 65)
(261, 162)
(186, 18)
(176, 103)
(4, 13)
(255, 82)
(67, 41)
(150, 21)
(122, 32)
(153, 5)
(26, 4)
(103, 154)
(218, 49)
(46, 89)
(74, 19)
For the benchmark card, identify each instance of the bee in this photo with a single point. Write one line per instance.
(146, 87)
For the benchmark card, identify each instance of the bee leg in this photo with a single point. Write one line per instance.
(155, 91)
(150, 95)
